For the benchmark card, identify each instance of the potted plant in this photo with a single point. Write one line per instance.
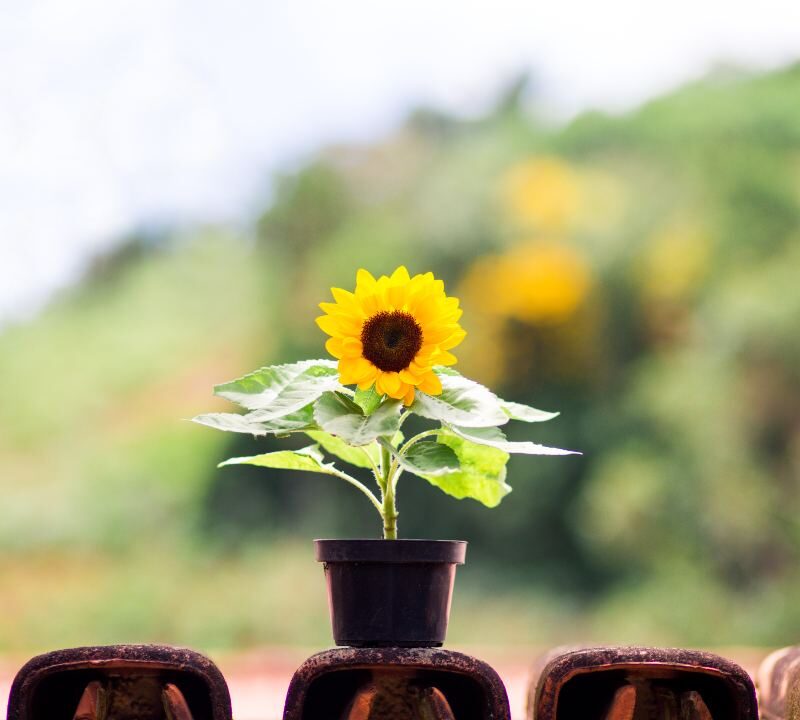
(392, 339)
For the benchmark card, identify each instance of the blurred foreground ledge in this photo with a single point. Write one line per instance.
(258, 680)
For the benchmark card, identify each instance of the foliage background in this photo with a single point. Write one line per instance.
(639, 273)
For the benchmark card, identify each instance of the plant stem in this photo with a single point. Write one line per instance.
(420, 436)
(404, 449)
(389, 511)
(375, 471)
(360, 486)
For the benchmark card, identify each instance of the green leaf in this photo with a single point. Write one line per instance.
(252, 425)
(368, 400)
(526, 413)
(495, 437)
(481, 477)
(353, 455)
(429, 458)
(338, 415)
(279, 390)
(462, 402)
(308, 458)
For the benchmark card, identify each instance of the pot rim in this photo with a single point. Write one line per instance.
(406, 550)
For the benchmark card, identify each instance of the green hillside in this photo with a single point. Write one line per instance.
(638, 273)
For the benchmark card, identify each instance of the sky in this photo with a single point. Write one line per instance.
(116, 114)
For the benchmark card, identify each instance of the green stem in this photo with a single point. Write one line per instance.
(375, 471)
(395, 478)
(420, 436)
(360, 486)
(403, 450)
(389, 510)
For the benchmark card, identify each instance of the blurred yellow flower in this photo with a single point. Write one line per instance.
(539, 282)
(391, 332)
(540, 193)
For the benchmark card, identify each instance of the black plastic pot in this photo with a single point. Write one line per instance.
(390, 593)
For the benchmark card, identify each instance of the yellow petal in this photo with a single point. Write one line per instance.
(399, 393)
(351, 347)
(329, 325)
(396, 297)
(332, 308)
(364, 281)
(344, 325)
(423, 306)
(408, 378)
(438, 332)
(355, 370)
(334, 347)
(445, 358)
(381, 286)
(344, 297)
(431, 384)
(391, 381)
(417, 369)
(423, 357)
(388, 383)
(453, 340)
(408, 398)
(370, 304)
(400, 275)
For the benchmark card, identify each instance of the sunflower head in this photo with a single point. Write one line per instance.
(391, 331)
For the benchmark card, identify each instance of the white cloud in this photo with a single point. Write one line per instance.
(115, 112)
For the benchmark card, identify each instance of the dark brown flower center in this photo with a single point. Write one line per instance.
(391, 340)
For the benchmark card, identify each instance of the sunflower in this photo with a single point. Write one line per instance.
(391, 331)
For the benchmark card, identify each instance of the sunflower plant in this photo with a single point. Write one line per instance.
(391, 339)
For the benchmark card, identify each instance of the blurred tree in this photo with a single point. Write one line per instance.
(638, 273)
